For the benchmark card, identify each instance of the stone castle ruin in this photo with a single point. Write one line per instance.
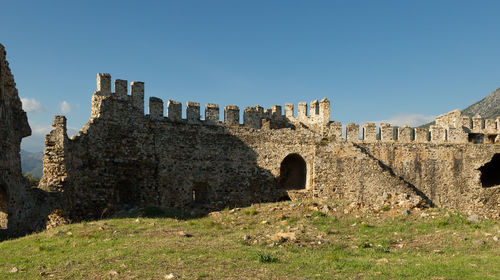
(123, 159)
(22, 209)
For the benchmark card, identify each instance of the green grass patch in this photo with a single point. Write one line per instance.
(266, 258)
(385, 208)
(154, 242)
(250, 212)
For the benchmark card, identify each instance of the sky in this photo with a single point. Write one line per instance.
(396, 61)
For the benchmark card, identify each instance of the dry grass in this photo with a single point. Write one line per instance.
(286, 240)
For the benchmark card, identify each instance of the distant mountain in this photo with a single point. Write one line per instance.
(32, 163)
(488, 108)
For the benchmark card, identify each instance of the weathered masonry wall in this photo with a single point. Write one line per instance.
(142, 162)
(448, 174)
(21, 208)
(123, 158)
(345, 170)
(445, 175)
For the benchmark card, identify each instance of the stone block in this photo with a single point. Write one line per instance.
(193, 112)
(405, 134)
(174, 110)
(121, 89)
(438, 134)
(231, 115)
(155, 108)
(104, 84)
(352, 132)
(302, 111)
(211, 113)
(288, 110)
(137, 95)
(421, 135)
(314, 108)
(386, 132)
(369, 132)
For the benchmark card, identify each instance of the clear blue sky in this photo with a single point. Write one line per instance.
(375, 60)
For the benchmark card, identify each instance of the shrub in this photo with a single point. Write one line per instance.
(385, 208)
(33, 181)
(266, 258)
(250, 212)
(318, 214)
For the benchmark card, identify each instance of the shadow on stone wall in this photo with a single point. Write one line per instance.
(27, 213)
(187, 167)
(490, 172)
(389, 169)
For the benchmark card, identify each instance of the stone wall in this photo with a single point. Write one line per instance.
(122, 158)
(347, 171)
(21, 208)
(449, 174)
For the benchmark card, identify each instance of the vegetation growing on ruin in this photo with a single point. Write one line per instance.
(292, 240)
(32, 180)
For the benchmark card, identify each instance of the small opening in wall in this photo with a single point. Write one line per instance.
(476, 138)
(200, 193)
(491, 138)
(490, 172)
(4, 204)
(293, 173)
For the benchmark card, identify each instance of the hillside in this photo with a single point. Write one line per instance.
(488, 107)
(32, 163)
(286, 240)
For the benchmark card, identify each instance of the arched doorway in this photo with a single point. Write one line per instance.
(490, 172)
(4, 207)
(293, 173)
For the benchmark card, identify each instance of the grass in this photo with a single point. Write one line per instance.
(250, 212)
(239, 244)
(385, 208)
(266, 258)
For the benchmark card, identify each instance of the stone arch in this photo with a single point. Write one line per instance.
(490, 172)
(4, 207)
(200, 193)
(293, 173)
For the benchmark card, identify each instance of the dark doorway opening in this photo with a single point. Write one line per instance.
(491, 138)
(4, 207)
(490, 172)
(200, 193)
(293, 173)
(476, 138)
(127, 195)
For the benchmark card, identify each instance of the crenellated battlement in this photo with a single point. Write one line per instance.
(451, 127)
(103, 91)
(253, 117)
